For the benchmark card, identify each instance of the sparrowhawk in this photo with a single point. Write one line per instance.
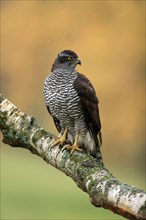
(72, 102)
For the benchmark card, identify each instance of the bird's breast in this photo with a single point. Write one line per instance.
(60, 96)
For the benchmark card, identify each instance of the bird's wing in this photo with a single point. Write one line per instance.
(89, 104)
(56, 121)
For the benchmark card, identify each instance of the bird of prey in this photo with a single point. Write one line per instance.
(72, 102)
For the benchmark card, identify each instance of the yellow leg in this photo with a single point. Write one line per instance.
(74, 146)
(60, 140)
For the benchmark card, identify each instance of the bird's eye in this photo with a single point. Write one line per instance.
(69, 58)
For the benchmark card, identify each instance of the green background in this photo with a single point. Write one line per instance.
(109, 38)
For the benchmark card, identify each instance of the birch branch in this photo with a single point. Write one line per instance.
(21, 130)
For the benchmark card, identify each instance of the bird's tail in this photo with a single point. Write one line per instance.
(93, 145)
(98, 142)
(99, 137)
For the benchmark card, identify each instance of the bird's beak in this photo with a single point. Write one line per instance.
(78, 61)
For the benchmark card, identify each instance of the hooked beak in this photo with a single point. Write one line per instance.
(78, 61)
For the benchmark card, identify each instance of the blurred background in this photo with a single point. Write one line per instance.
(109, 38)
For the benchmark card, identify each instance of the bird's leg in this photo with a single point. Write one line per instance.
(60, 140)
(74, 146)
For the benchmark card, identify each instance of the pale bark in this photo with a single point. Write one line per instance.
(21, 130)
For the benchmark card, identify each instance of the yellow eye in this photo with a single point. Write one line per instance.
(69, 58)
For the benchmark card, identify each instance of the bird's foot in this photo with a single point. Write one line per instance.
(60, 140)
(74, 146)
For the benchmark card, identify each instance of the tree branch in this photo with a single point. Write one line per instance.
(21, 130)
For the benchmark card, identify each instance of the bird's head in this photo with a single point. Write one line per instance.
(67, 59)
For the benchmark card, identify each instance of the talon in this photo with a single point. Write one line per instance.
(74, 146)
(60, 140)
(65, 147)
